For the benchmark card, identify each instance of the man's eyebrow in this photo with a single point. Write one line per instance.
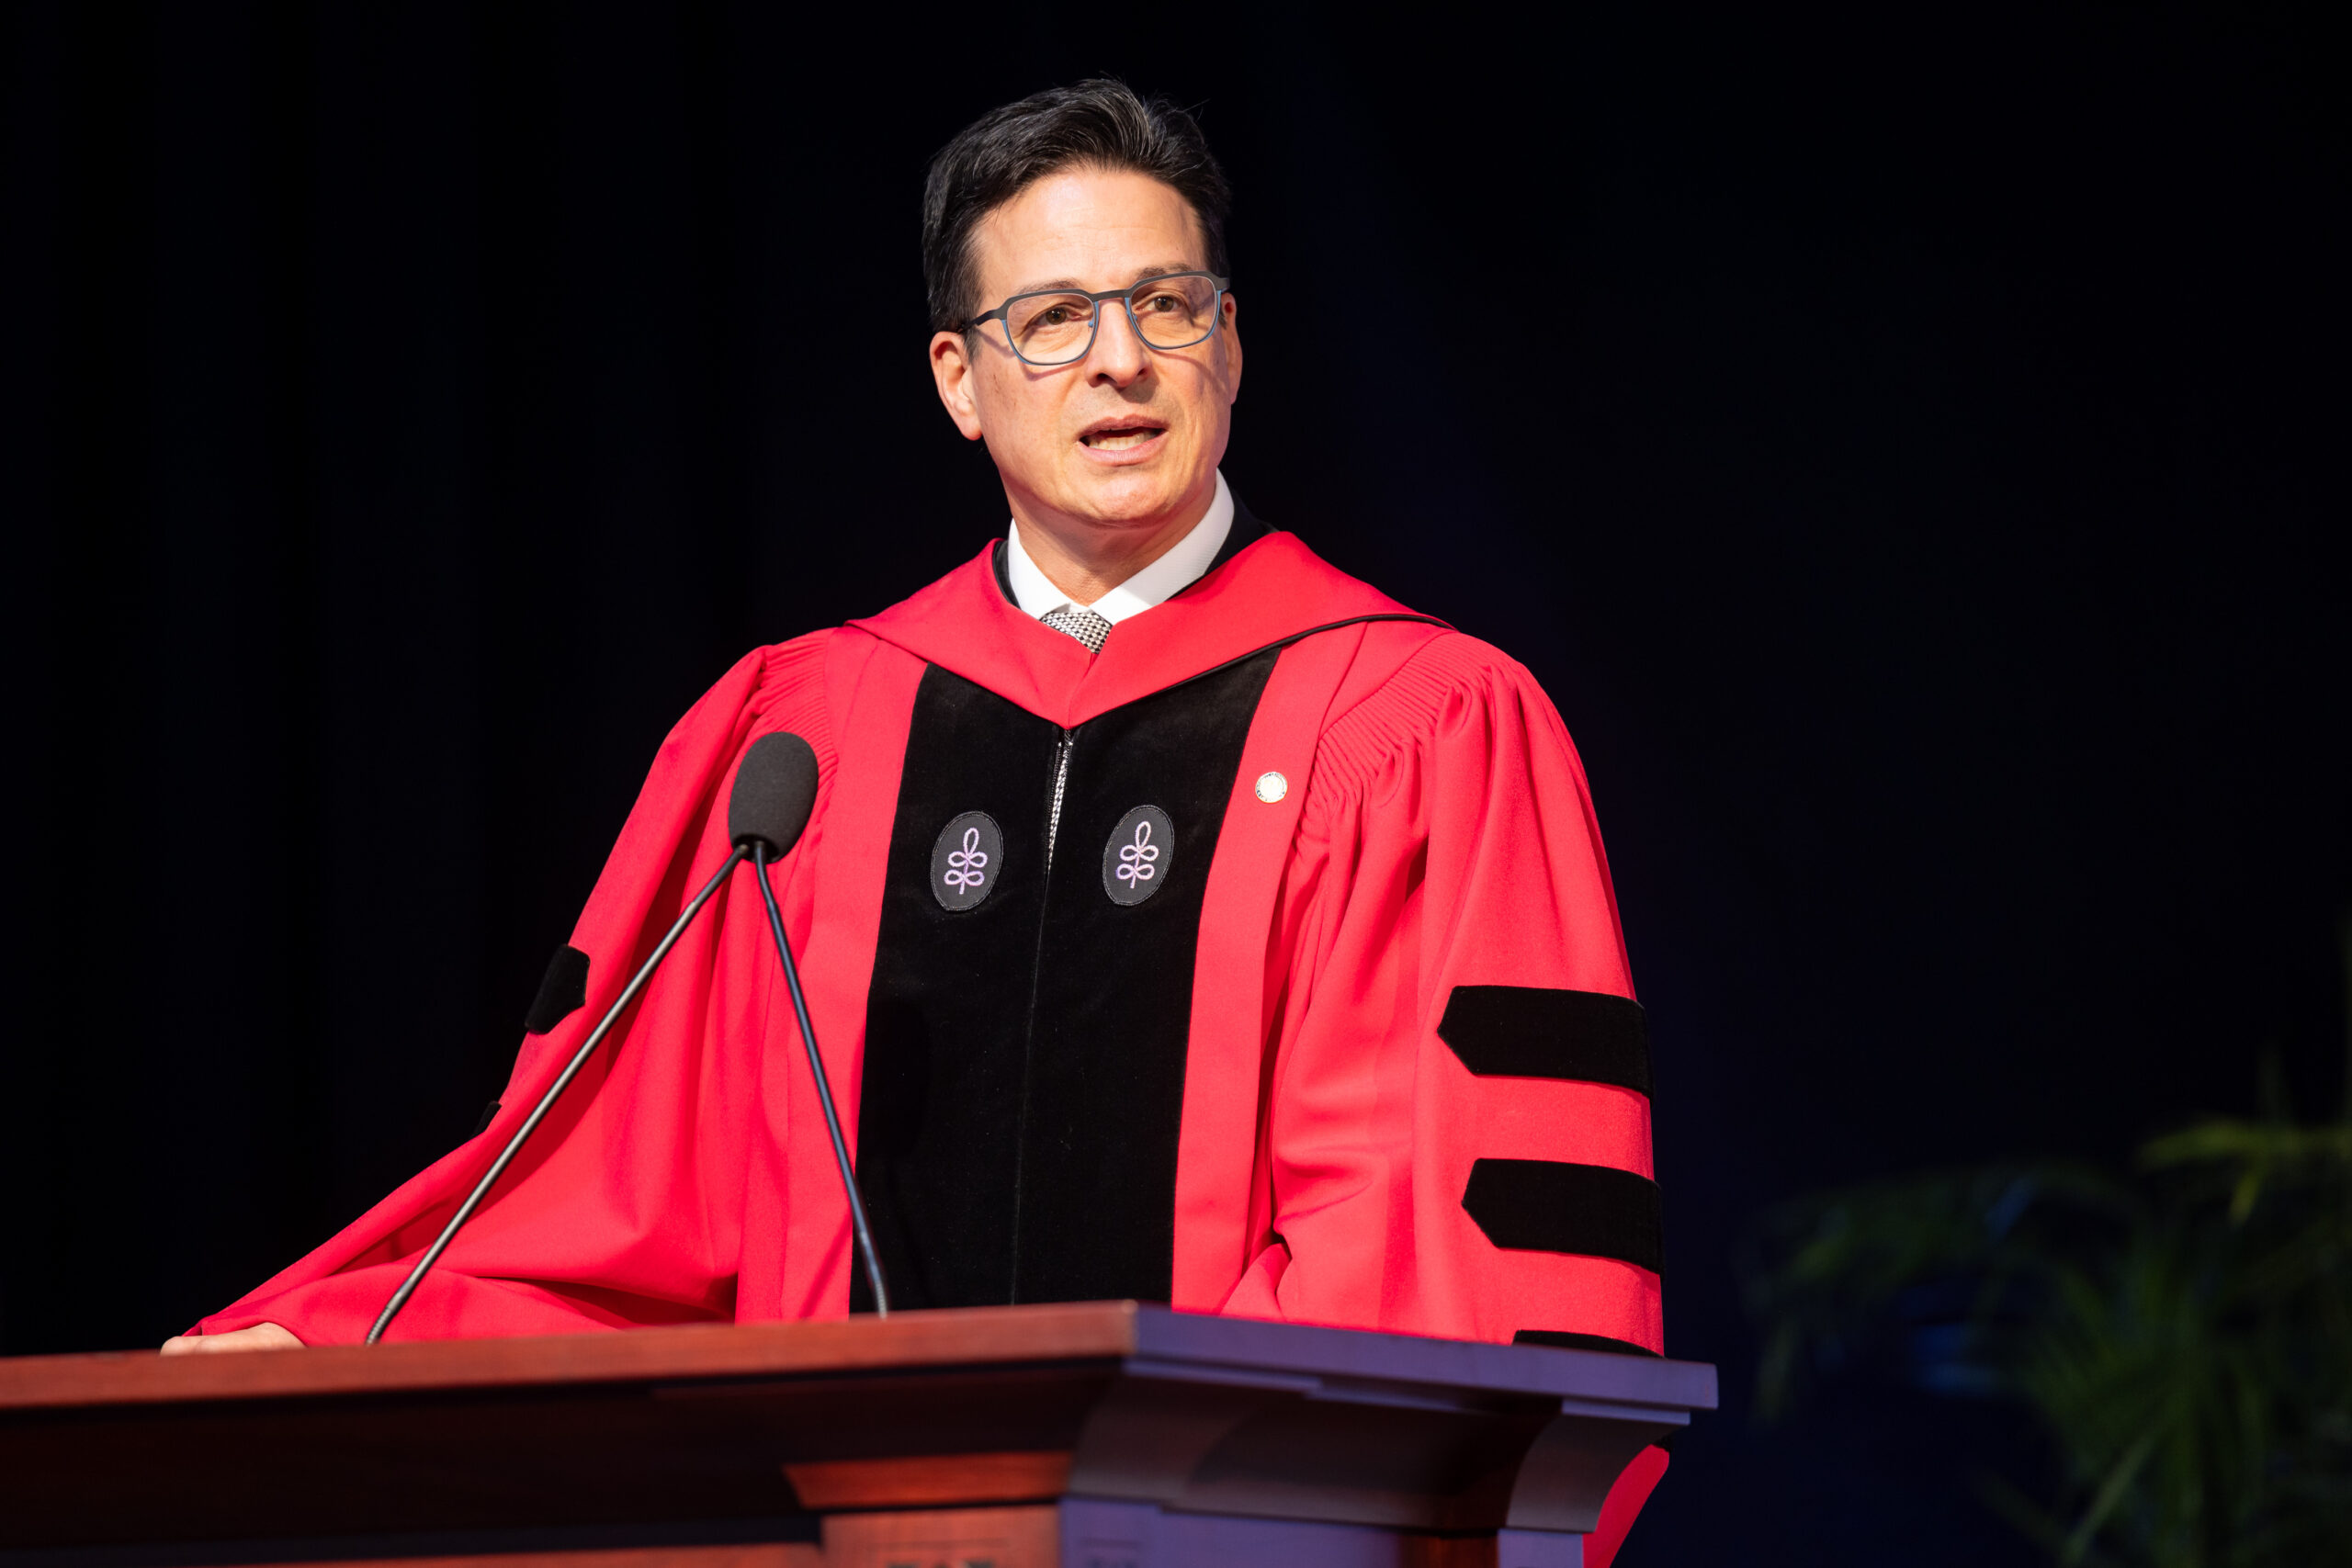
(1053, 285)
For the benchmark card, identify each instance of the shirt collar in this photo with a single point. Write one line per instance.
(1155, 584)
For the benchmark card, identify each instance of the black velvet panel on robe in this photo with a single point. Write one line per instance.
(1025, 1056)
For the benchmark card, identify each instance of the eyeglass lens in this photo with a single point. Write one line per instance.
(1170, 312)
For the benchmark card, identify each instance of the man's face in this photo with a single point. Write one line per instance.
(1128, 438)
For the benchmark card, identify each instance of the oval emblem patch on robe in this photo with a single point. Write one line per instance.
(966, 861)
(1136, 860)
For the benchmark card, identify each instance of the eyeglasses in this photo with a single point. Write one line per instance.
(1057, 326)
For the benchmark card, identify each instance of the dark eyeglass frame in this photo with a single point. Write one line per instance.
(1126, 296)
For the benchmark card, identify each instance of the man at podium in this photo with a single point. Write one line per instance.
(1181, 919)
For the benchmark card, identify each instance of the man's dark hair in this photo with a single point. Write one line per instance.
(1099, 123)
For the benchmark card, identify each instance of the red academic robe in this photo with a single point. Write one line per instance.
(1263, 963)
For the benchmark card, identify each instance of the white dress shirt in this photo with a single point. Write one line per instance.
(1155, 584)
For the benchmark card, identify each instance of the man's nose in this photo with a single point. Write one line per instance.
(1119, 356)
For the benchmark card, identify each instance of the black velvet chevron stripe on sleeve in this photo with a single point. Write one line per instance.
(1540, 1205)
(1537, 1031)
(563, 990)
(1567, 1339)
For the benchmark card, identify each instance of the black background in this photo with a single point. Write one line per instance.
(1908, 452)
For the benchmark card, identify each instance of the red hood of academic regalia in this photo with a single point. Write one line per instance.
(1268, 591)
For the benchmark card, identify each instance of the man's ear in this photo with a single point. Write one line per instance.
(1232, 348)
(951, 371)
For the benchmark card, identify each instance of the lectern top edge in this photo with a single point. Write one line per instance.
(1464, 1364)
(1055, 1332)
(1060, 1331)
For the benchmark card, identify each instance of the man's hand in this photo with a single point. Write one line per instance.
(260, 1337)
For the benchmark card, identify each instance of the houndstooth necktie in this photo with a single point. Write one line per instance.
(1083, 625)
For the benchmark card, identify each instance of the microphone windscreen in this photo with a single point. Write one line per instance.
(774, 789)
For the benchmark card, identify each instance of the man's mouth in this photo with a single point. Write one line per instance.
(1121, 436)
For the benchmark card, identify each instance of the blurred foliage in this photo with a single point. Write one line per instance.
(2182, 1333)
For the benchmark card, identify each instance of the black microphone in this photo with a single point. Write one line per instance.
(770, 807)
(775, 788)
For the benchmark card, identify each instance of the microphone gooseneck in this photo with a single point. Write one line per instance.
(547, 1101)
(774, 791)
(775, 788)
(824, 1089)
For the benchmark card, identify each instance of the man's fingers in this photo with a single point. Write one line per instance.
(260, 1337)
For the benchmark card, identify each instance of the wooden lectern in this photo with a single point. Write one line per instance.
(1091, 1436)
